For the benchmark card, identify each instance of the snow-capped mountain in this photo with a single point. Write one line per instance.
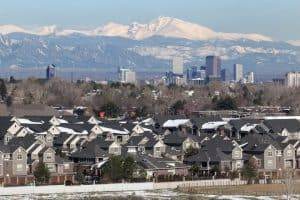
(294, 42)
(163, 26)
(146, 47)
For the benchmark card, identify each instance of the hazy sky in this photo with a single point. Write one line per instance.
(279, 19)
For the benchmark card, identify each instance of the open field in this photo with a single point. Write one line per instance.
(256, 190)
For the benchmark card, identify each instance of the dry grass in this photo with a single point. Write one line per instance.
(261, 190)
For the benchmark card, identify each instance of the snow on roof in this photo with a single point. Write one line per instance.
(248, 127)
(99, 164)
(27, 121)
(213, 125)
(175, 123)
(62, 121)
(148, 121)
(146, 129)
(71, 131)
(42, 133)
(105, 129)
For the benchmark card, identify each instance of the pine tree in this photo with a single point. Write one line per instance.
(42, 173)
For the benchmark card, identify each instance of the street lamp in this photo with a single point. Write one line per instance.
(8, 179)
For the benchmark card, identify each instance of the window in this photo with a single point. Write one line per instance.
(278, 153)
(289, 153)
(6, 157)
(51, 168)
(237, 154)
(19, 157)
(270, 153)
(49, 139)
(270, 162)
(157, 149)
(259, 163)
(67, 166)
(48, 156)
(19, 167)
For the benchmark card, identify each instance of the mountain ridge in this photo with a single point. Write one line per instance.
(162, 26)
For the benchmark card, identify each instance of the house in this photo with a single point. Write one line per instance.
(240, 127)
(156, 167)
(13, 165)
(283, 127)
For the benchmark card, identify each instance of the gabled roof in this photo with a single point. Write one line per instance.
(60, 139)
(208, 155)
(24, 142)
(90, 152)
(258, 142)
(218, 142)
(277, 125)
(239, 123)
(199, 121)
(153, 163)
(175, 123)
(100, 142)
(135, 140)
(160, 119)
(174, 138)
(8, 148)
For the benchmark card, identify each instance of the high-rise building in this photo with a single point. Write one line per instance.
(192, 72)
(292, 79)
(177, 65)
(50, 71)
(213, 66)
(202, 72)
(176, 79)
(223, 75)
(250, 77)
(238, 72)
(127, 76)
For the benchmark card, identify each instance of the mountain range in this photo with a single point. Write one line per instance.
(145, 47)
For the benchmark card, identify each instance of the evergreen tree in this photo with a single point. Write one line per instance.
(249, 172)
(3, 90)
(111, 109)
(114, 168)
(128, 168)
(42, 173)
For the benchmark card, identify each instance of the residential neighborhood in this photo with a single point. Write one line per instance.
(162, 147)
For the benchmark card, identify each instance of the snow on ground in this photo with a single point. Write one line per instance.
(160, 194)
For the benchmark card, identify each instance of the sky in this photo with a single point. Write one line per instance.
(279, 19)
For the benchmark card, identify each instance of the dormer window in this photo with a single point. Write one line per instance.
(289, 152)
(19, 157)
(270, 153)
(6, 157)
(48, 156)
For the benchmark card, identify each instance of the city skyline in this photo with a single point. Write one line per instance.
(266, 17)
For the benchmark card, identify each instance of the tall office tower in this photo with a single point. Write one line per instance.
(191, 72)
(50, 71)
(223, 75)
(202, 72)
(127, 76)
(292, 79)
(250, 77)
(177, 65)
(213, 66)
(238, 72)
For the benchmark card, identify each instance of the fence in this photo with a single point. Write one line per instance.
(56, 189)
